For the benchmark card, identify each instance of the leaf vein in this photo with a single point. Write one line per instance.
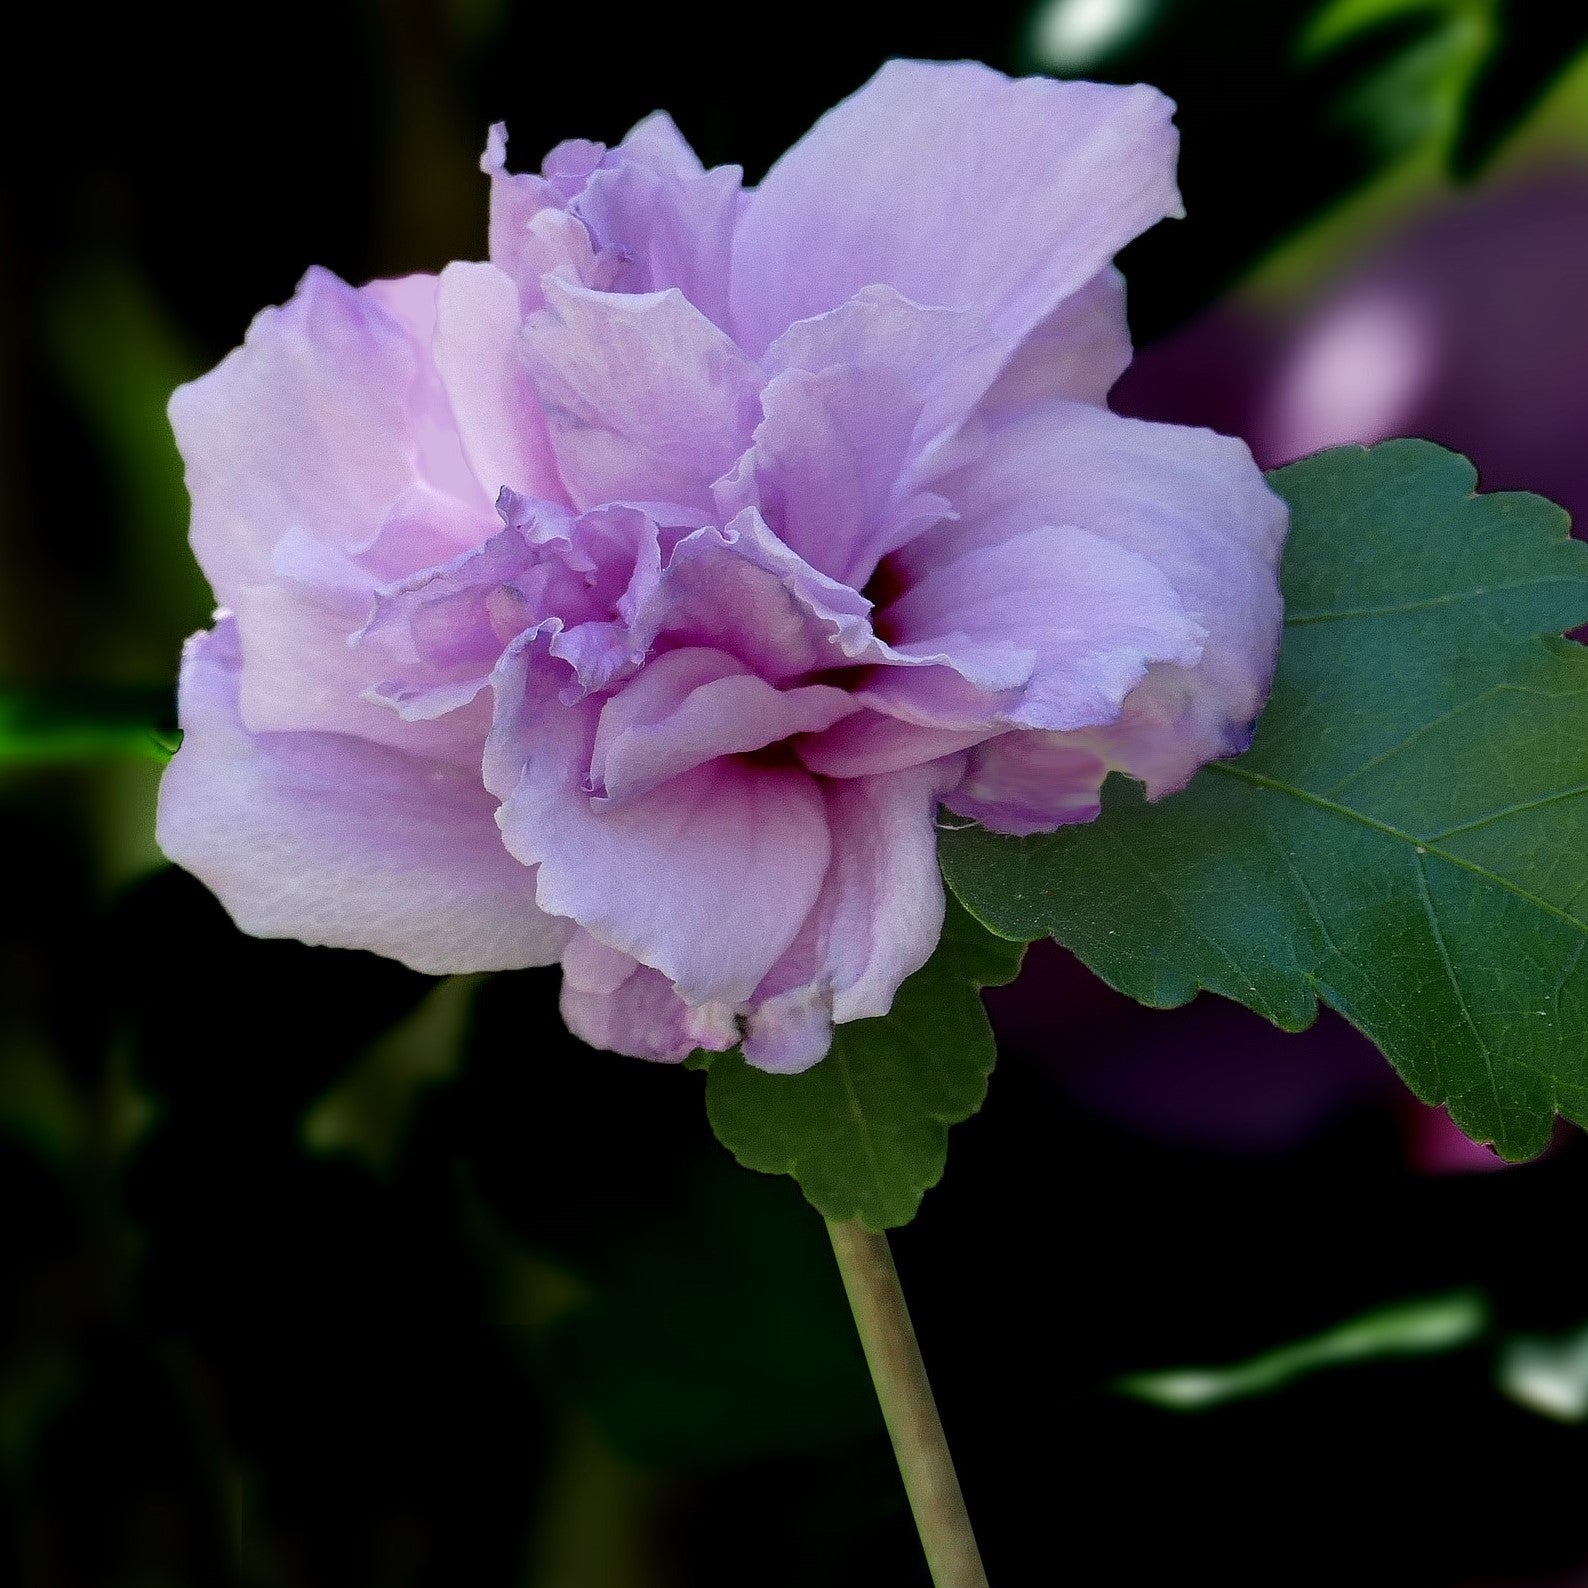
(1411, 739)
(1452, 598)
(1512, 810)
(859, 1115)
(1261, 780)
(1163, 892)
(1323, 926)
(1455, 984)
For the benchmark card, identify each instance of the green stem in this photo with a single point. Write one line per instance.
(905, 1394)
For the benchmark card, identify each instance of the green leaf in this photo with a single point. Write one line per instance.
(1407, 837)
(86, 723)
(866, 1131)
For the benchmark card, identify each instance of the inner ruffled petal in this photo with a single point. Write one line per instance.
(689, 707)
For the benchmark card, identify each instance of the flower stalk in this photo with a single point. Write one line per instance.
(908, 1408)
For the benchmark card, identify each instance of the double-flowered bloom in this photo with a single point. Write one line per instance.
(636, 599)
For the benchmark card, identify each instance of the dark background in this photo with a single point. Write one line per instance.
(317, 1272)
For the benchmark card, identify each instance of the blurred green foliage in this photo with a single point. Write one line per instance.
(1409, 1328)
(87, 722)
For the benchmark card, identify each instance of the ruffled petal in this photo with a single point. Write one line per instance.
(433, 638)
(741, 590)
(960, 188)
(706, 878)
(1082, 617)
(334, 840)
(858, 400)
(531, 235)
(1190, 502)
(689, 707)
(876, 922)
(674, 226)
(612, 1002)
(646, 399)
(642, 217)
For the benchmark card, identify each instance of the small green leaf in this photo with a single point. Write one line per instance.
(1422, 1327)
(866, 1131)
(1407, 839)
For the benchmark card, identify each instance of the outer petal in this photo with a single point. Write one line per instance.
(301, 675)
(706, 878)
(1085, 616)
(324, 458)
(297, 632)
(945, 356)
(1031, 782)
(307, 424)
(959, 187)
(656, 143)
(333, 840)
(1078, 352)
(614, 1003)
(432, 426)
(876, 922)
(647, 400)
(1191, 502)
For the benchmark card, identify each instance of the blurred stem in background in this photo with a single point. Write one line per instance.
(908, 1407)
(601, 1517)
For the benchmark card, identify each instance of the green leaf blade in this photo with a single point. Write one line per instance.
(865, 1132)
(1407, 839)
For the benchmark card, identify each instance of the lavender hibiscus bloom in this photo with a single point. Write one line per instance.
(636, 598)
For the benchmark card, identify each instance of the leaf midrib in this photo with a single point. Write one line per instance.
(1450, 598)
(1418, 845)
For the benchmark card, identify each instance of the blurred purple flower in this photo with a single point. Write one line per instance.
(634, 599)
(1467, 326)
